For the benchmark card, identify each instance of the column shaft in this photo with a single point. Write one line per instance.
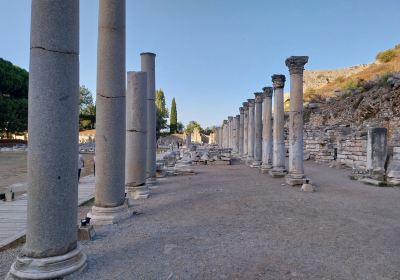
(245, 129)
(251, 133)
(53, 144)
(258, 129)
(267, 130)
(241, 131)
(237, 133)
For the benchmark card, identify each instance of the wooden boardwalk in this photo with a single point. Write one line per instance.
(13, 214)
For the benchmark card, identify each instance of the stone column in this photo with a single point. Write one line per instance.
(251, 133)
(278, 169)
(258, 129)
(245, 129)
(267, 130)
(237, 133)
(110, 206)
(225, 126)
(136, 138)
(148, 66)
(188, 140)
(295, 175)
(230, 132)
(51, 249)
(241, 132)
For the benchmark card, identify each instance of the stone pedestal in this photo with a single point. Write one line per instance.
(258, 129)
(136, 138)
(241, 131)
(110, 116)
(278, 169)
(251, 132)
(245, 129)
(51, 249)
(267, 130)
(148, 66)
(376, 156)
(295, 175)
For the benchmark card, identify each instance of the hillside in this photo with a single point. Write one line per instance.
(325, 83)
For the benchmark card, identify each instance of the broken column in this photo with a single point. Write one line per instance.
(376, 156)
(295, 174)
(148, 66)
(267, 130)
(136, 140)
(278, 168)
(241, 132)
(109, 205)
(188, 139)
(251, 132)
(258, 129)
(51, 249)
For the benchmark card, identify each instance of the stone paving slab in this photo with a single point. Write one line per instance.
(13, 214)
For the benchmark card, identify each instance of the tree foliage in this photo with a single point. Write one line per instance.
(191, 126)
(173, 123)
(161, 112)
(13, 98)
(87, 109)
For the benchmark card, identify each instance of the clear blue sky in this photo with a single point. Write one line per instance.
(213, 54)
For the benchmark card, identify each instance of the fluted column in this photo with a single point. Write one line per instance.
(51, 249)
(136, 140)
(278, 169)
(109, 204)
(258, 129)
(251, 132)
(245, 129)
(241, 132)
(295, 175)
(267, 130)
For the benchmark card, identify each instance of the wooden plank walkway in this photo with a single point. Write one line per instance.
(13, 214)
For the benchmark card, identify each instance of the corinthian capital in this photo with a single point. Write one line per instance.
(250, 102)
(245, 105)
(267, 92)
(241, 110)
(259, 97)
(278, 81)
(296, 64)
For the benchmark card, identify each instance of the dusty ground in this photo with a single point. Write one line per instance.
(13, 168)
(230, 222)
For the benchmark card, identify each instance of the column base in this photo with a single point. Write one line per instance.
(265, 168)
(296, 179)
(137, 192)
(278, 172)
(56, 267)
(256, 164)
(109, 215)
(151, 181)
(249, 160)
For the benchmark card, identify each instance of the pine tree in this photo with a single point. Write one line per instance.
(174, 117)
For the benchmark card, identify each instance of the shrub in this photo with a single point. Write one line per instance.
(339, 79)
(351, 85)
(383, 80)
(397, 46)
(386, 56)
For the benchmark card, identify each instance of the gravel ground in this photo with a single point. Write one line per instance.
(230, 222)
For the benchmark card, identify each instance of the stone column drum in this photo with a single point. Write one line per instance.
(295, 175)
(110, 205)
(258, 129)
(136, 136)
(245, 129)
(241, 132)
(251, 133)
(51, 249)
(237, 133)
(278, 169)
(267, 131)
(148, 66)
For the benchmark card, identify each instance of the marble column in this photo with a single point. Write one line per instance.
(251, 132)
(136, 138)
(241, 132)
(245, 129)
(51, 249)
(267, 130)
(188, 140)
(295, 174)
(237, 133)
(148, 66)
(278, 169)
(230, 132)
(110, 205)
(225, 125)
(258, 129)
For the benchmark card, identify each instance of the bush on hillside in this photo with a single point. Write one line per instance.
(386, 56)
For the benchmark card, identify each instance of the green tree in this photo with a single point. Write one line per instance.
(161, 111)
(180, 127)
(191, 126)
(87, 109)
(173, 122)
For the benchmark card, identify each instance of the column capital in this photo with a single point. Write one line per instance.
(241, 110)
(259, 97)
(224, 122)
(230, 118)
(238, 116)
(267, 92)
(296, 64)
(278, 80)
(245, 105)
(251, 102)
